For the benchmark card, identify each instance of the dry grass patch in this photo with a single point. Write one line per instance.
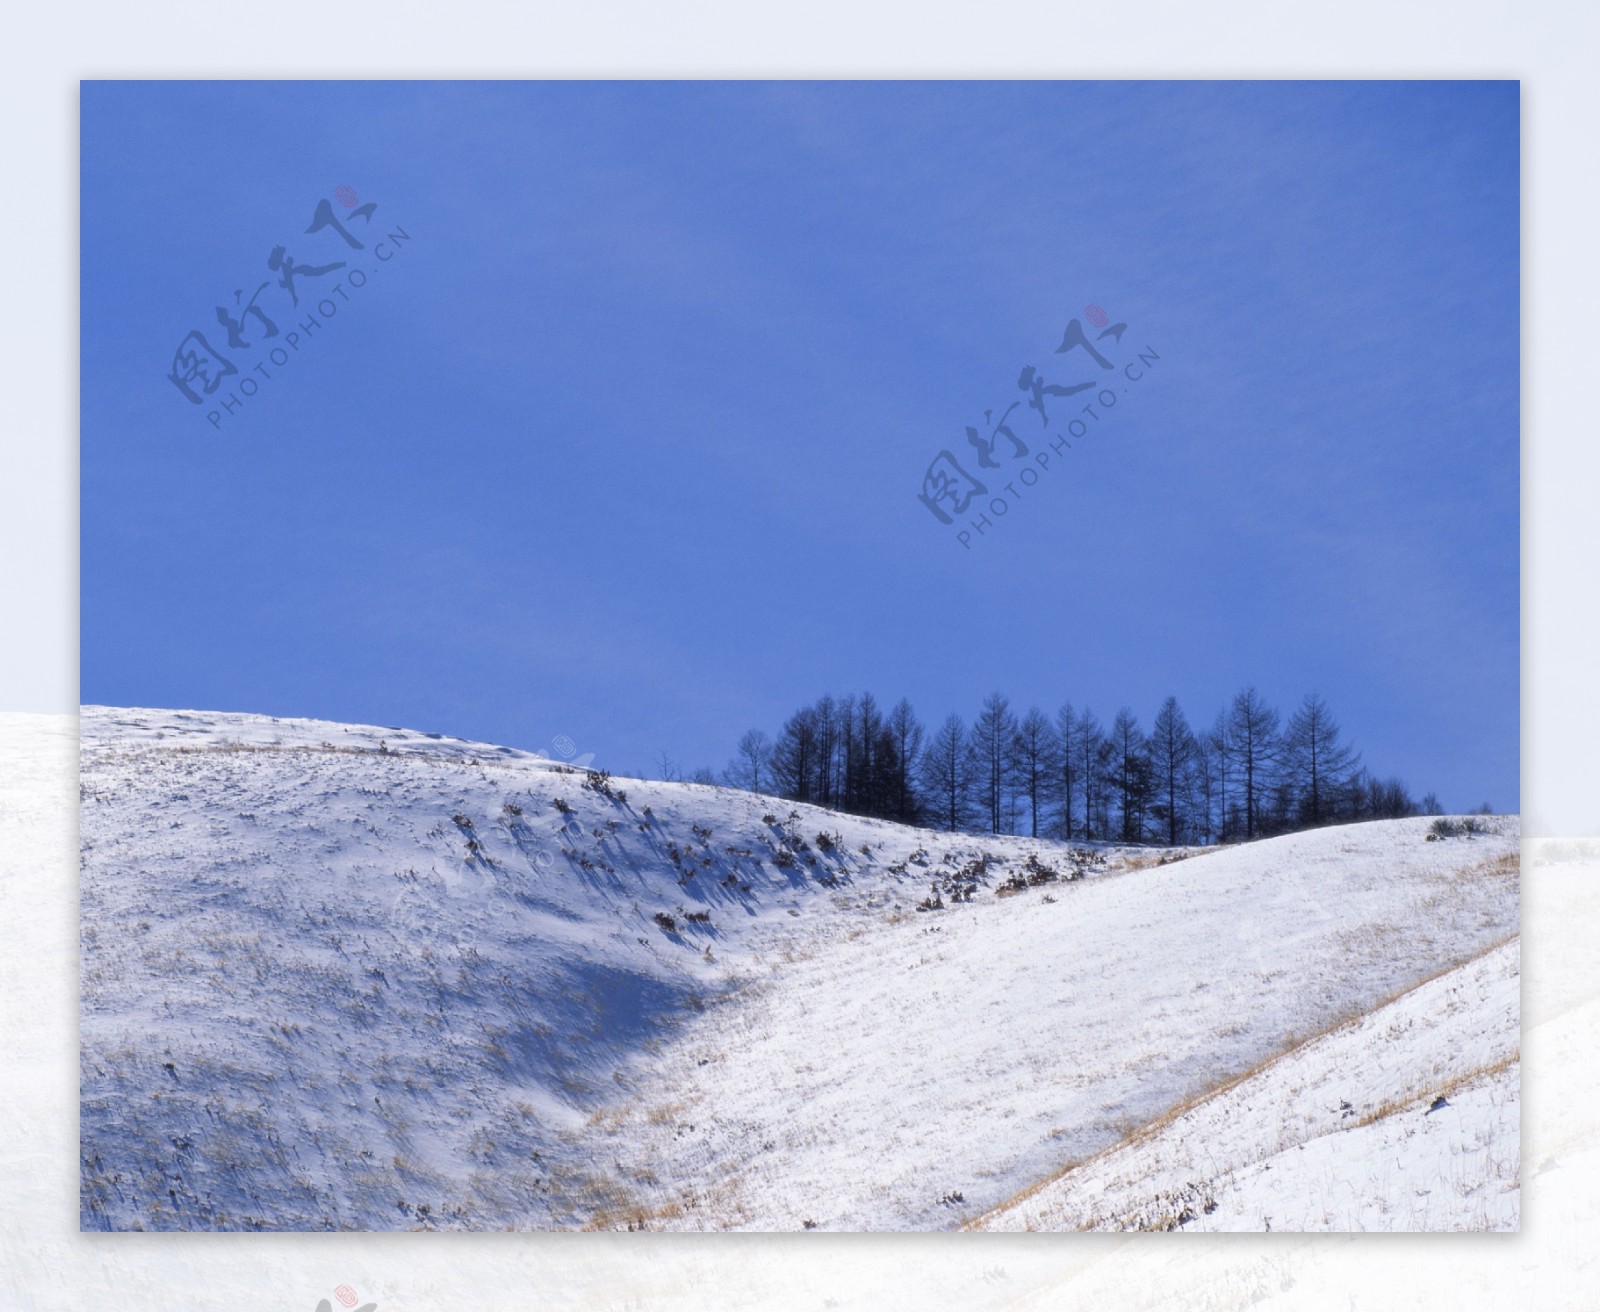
(1480, 1074)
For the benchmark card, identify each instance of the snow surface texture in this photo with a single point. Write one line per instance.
(1343, 1133)
(337, 977)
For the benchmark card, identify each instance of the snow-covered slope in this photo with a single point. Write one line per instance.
(348, 977)
(1345, 1132)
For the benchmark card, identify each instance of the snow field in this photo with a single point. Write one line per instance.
(345, 977)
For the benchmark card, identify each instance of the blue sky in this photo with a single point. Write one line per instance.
(624, 442)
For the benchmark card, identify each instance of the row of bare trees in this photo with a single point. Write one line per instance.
(1069, 776)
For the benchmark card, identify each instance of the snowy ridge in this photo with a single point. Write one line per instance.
(345, 977)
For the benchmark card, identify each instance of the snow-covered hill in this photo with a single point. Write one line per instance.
(347, 977)
(1345, 1132)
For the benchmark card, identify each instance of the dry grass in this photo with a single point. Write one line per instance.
(1508, 865)
(614, 1207)
(1154, 860)
(1460, 1082)
(665, 1114)
(1221, 1085)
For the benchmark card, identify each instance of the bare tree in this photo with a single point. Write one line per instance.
(1093, 754)
(1317, 762)
(993, 740)
(906, 732)
(1036, 751)
(947, 775)
(1253, 731)
(1382, 799)
(1219, 743)
(1130, 773)
(750, 768)
(1067, 764)
(1172, 757)
(793, 765)
(827, 731)
(1206, 784)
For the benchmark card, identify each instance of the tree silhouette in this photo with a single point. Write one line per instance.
(1035, 751)
(1241, 778)
(993, 742)
(947, 775)
(1316, 762)
(1172, 761)
(1253, 732)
